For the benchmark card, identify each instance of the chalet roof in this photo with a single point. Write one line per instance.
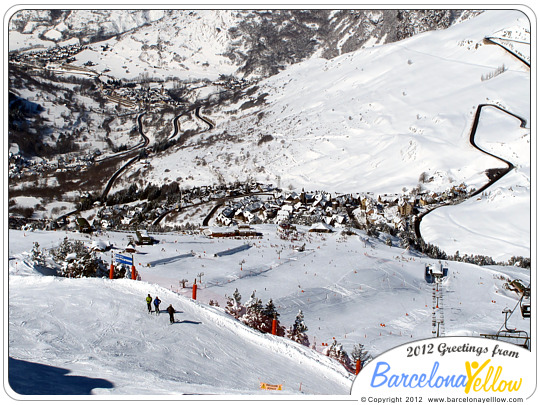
(320, 227)
(99, 245)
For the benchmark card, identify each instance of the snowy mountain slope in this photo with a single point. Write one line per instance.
(37, 28)
(185, 45)
(204, 43)
(378, 120)
(510, 197)
(100, 329)
(370, 120)
(354, 289)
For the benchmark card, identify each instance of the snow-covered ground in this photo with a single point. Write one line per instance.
(472, 227)
(97, 334)
(377, 119)
(374, 120)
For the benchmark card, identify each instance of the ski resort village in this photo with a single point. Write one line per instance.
(258, 204)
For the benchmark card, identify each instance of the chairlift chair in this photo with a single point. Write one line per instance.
(525, 306)
(514, 336)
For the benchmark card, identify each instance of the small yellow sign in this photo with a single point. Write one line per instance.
(271, 387)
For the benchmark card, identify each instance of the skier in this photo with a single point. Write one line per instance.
(171, 312)
(157, 301)
(149, 303)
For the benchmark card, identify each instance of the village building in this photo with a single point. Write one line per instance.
(143, 238)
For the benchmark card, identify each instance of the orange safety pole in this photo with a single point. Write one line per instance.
(133, 273)
(194, 294)
(358, 366)
(111, 271)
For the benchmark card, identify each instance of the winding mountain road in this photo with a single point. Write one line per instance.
(207, 121)
(493, 41)
(144, 143)
(141, 146)
(494, 175)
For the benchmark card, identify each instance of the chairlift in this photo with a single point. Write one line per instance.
(517, 337)
(525, 303)
(514, 336)
(526, 309)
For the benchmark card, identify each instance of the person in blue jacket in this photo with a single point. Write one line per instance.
(157, 301)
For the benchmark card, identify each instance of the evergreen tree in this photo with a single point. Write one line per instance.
(237, 297)
(37, 255)
(270, 310)
(360, 353)
(336, 351)
(229, 306)
(233, 308)
(254, 304)
(253, 316)
(78, 261)
(270, 313)
(297, 332)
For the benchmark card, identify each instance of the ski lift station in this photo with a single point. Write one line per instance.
(435, 273)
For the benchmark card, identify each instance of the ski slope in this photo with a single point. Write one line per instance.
(99, 329)
(370, 130)
(354, 289)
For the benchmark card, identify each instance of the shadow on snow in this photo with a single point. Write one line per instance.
(28, 378)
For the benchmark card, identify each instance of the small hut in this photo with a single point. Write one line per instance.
(433, 274)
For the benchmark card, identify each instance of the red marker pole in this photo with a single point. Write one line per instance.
(194, 293)
(133, 273)
(274, 326)
(358, 366)
(111, 272)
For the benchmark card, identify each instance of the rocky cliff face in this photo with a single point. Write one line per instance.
(78, 80)
(258, 42)
(276, 38)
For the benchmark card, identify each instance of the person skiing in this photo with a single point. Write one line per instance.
(157, 301)
(171, 312)
(149, 303)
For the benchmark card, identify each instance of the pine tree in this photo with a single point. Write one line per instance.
(234, 306)
(237, 297)
(360, 353)
(297, 332)
(231, 307)
(270, 313)
(37, 255)
(270, 310)
(77, 261)
(336, 351)
(254, 304)
(253, 316)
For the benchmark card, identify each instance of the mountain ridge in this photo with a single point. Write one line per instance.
(387, 119)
